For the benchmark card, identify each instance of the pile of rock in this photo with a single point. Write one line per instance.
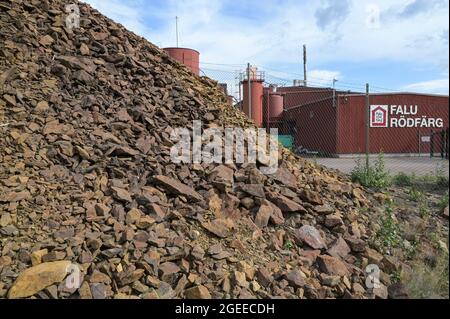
(86, 179)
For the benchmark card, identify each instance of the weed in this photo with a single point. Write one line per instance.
(444, 201)
(414, 194)
(388, 237)
(417, 196)
(411, 249)
(372, 175)
(434, 238)
(424, 209)
(440, 176)
(288, 245)
(396, 277)
(402, 179)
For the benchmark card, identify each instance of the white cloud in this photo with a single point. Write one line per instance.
(278, 38)
(324, 75)
(439, 86)
(416, 7)
(407, 31)
(128, 13)
(234, 39)
(373, 16)
(332, 14)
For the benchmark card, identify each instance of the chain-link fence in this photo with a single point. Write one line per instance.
(339, 124)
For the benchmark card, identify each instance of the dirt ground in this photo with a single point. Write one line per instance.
(421, 166)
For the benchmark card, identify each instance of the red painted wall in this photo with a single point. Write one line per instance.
(315, 124)
(339, 128)
(311, 110)
(351, 124)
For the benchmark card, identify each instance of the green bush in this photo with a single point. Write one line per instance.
(372, 176)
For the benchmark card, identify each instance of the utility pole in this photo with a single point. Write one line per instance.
(176, 27)
(334, 92)
(367, 136)
(305, 75)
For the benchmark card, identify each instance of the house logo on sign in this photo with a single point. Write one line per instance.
(379, 115)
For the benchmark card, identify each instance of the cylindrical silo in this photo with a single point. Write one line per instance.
(188, 57)
(276, 104)
(256, 100)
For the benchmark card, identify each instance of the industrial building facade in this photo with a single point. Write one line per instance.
(332, 122)
(322, 120)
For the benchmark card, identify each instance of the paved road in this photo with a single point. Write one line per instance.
(419, 165)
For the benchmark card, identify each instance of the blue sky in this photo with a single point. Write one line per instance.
(392, 44)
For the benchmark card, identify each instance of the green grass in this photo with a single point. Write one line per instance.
(444, 201)
(430, 280)
(411, 250)
(402, 179)
(439, 180)
(440, 176)
(376, 176)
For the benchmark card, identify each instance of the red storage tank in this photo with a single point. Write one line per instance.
(189, 57)
(276, 105)
(257, 101)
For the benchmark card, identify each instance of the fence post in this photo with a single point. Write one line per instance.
(446, 142)
(250, 115)
(419, 141)
(367, 128)
(267, 97)
(432, 144)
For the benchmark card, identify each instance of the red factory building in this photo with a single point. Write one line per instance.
(331, 122)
